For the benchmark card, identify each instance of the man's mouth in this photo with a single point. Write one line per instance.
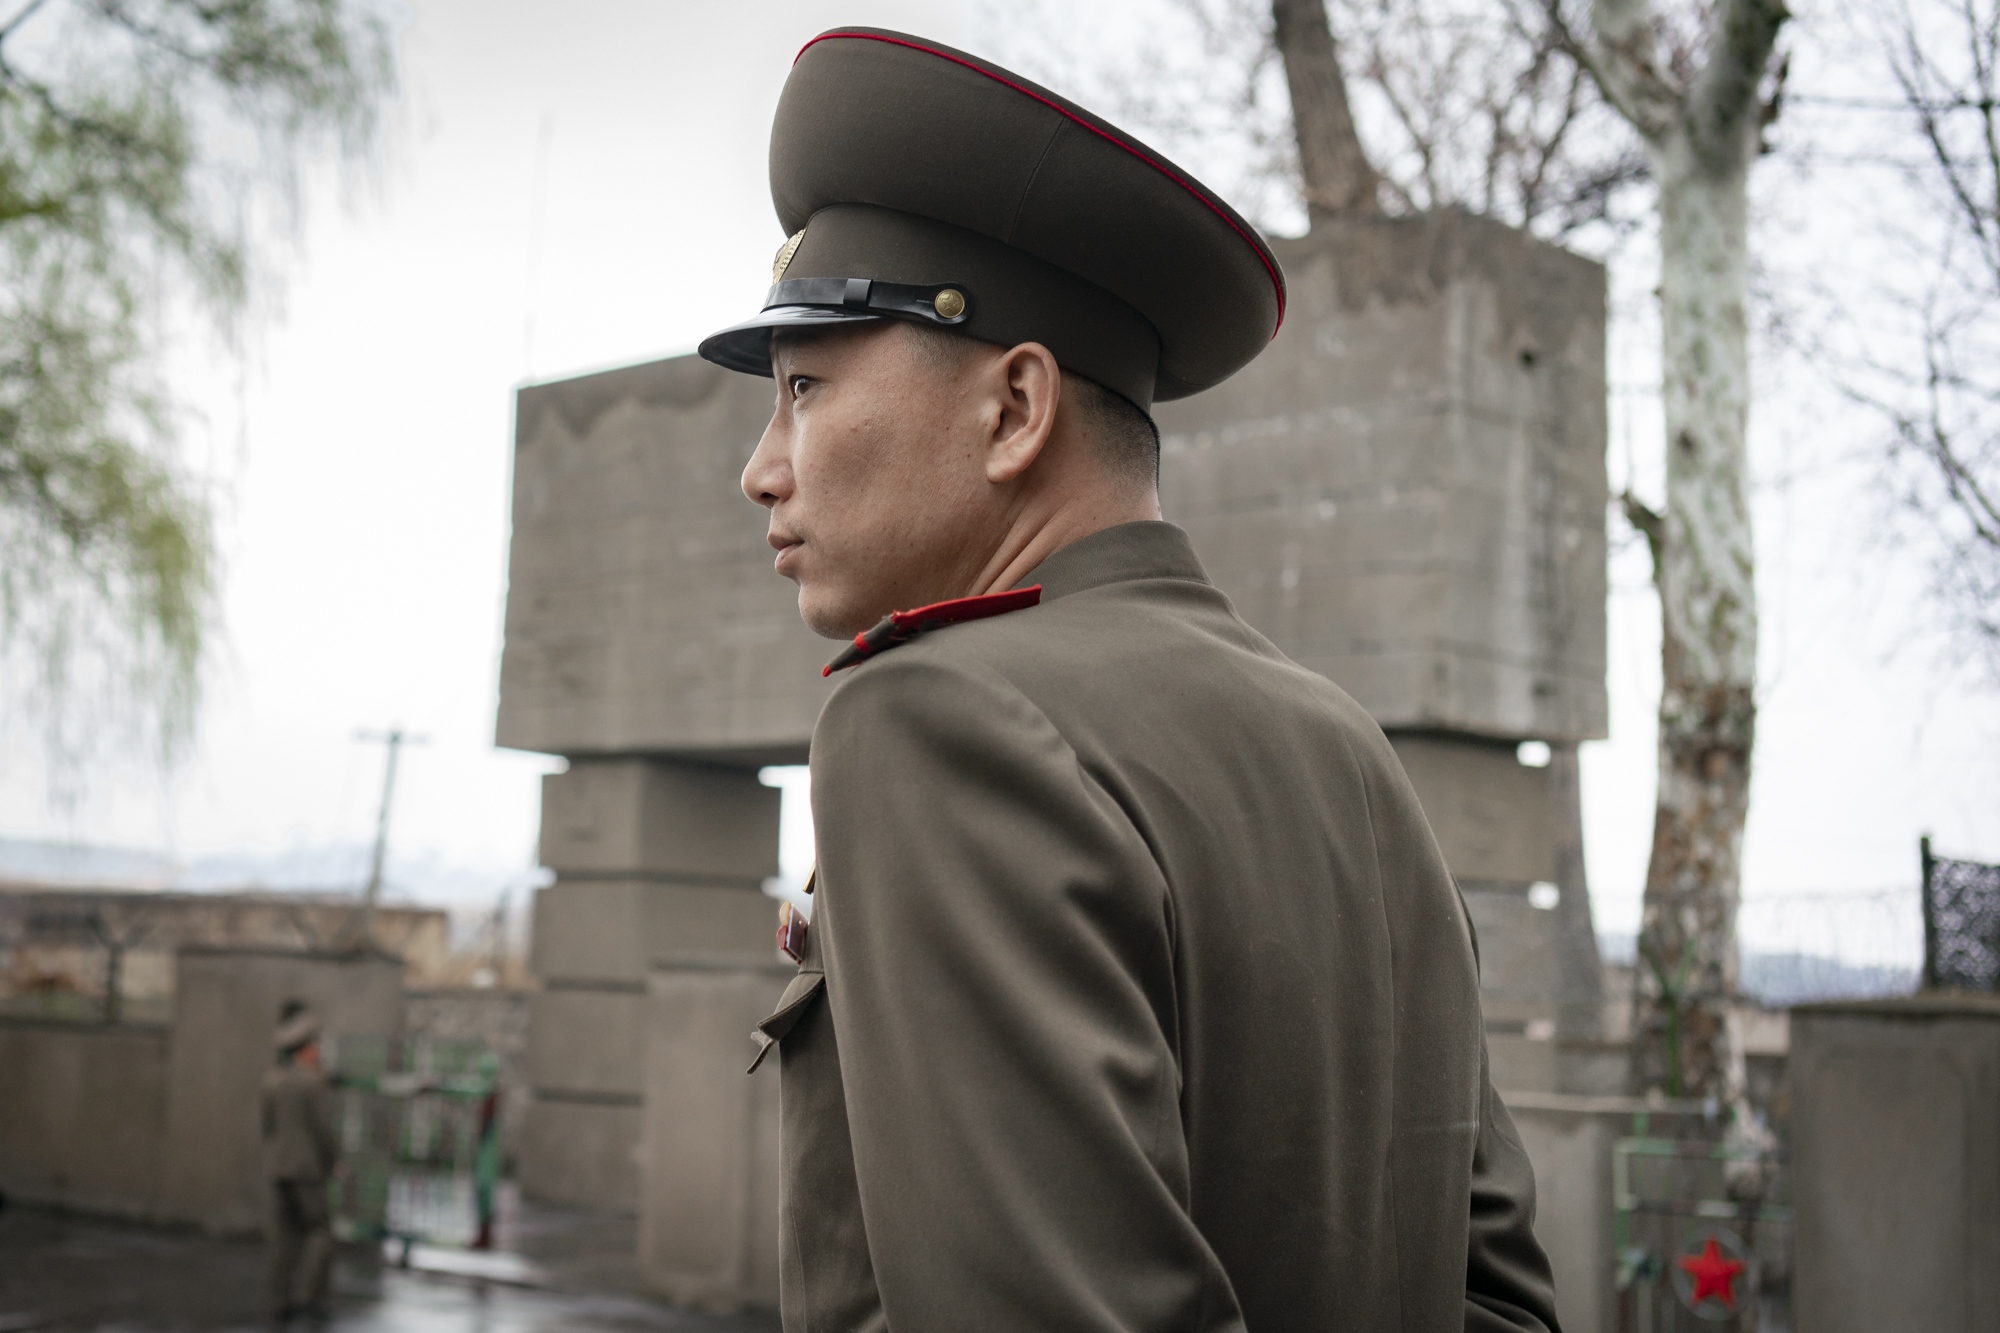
(784, 544)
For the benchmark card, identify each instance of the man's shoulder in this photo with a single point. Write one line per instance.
(1144, 653)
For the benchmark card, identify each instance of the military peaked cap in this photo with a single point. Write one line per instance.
(918, 182)
(298, 1030)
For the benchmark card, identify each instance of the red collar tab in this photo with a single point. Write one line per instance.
(902, 626)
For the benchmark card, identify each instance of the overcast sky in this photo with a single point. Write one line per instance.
(577, 186)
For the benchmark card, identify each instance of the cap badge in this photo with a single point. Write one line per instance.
(784, 255)
(949, 303)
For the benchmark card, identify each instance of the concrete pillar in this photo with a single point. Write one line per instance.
(708, 1218)
(1493, 818)
(1896, 1164)
(226, 1005)
(653, 858)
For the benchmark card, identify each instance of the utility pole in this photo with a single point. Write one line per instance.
(396, 738)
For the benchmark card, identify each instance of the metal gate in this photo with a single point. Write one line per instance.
(418, 1127)
(1704, 1237)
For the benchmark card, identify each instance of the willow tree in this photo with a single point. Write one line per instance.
(138, 139)
(1700, 97)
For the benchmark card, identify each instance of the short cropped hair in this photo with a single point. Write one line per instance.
(1126, 437)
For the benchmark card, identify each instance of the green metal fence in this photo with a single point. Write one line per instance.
(418, 1126)
(1704, 1237)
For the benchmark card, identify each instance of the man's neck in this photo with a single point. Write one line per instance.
(1034, 537)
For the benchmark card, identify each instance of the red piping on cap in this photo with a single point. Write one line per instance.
(1277, 283)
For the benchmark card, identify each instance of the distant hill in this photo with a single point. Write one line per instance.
(1782, 979)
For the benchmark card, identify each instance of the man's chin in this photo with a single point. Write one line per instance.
(830, 619)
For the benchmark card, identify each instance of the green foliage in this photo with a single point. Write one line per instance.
(123, 204)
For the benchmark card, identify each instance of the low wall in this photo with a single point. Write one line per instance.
(226, 1007)
(83, 1114)
(1569, 1141)
(1895, 1105)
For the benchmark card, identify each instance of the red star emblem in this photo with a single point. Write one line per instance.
(1714, 1274)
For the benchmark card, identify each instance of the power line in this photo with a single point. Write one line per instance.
(1986, 104)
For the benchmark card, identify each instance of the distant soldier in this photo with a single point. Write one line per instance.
(299, 1155)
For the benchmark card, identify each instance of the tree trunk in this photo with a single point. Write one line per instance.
(1685, 1041)
(1339, 182)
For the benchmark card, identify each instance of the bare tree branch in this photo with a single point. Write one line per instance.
(1619, 52)
(1724, 98)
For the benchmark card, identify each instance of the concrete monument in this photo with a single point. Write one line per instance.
(1406, 492)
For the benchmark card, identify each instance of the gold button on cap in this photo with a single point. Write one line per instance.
(949, 303)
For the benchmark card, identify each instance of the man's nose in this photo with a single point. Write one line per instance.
(766, 477)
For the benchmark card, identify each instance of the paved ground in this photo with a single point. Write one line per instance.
(60, 1273)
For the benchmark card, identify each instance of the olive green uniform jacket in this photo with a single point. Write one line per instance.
(1137, 995)
(298, 1124)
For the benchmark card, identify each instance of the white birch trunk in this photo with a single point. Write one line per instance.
(1684, 1042)
(1704, 131)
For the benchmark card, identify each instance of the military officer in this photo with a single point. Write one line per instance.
(299, 1155)
(1136, 994)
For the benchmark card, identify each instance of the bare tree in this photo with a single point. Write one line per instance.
(1700, 93)
(1932, 369)
(1396, 106)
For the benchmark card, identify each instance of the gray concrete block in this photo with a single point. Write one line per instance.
(586, 1040)
(650, 817)
(226, 1004)
(708, 1208)
(1437, 394)
(1490, 813)
(1896, 1165)
(642, 613)
(83, 1115)
(1517, 958)
(581, 1154)
(613, 930)
(1521, 1060)
(1406, 492)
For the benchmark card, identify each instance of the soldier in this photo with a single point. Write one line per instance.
(299, 1156)
(1136, 993)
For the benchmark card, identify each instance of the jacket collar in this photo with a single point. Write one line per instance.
(1146, 550)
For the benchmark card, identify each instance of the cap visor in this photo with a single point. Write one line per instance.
(746, 347)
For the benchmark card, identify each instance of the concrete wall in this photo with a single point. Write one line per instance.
(226, 1006)
(1569, 1140)
(642, 613)
(654, 861)
(52, 956)
(1896, 1164)
(1406, 492)
(82, 1115)
(708, 1224)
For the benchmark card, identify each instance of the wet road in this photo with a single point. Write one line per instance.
(61, 1273)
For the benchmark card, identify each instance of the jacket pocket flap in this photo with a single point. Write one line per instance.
(804, 989)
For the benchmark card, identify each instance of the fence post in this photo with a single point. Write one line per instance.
(1930, 977)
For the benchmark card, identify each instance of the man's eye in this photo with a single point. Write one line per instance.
(797, 384)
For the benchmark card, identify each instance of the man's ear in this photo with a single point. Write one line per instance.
(1028, 389)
